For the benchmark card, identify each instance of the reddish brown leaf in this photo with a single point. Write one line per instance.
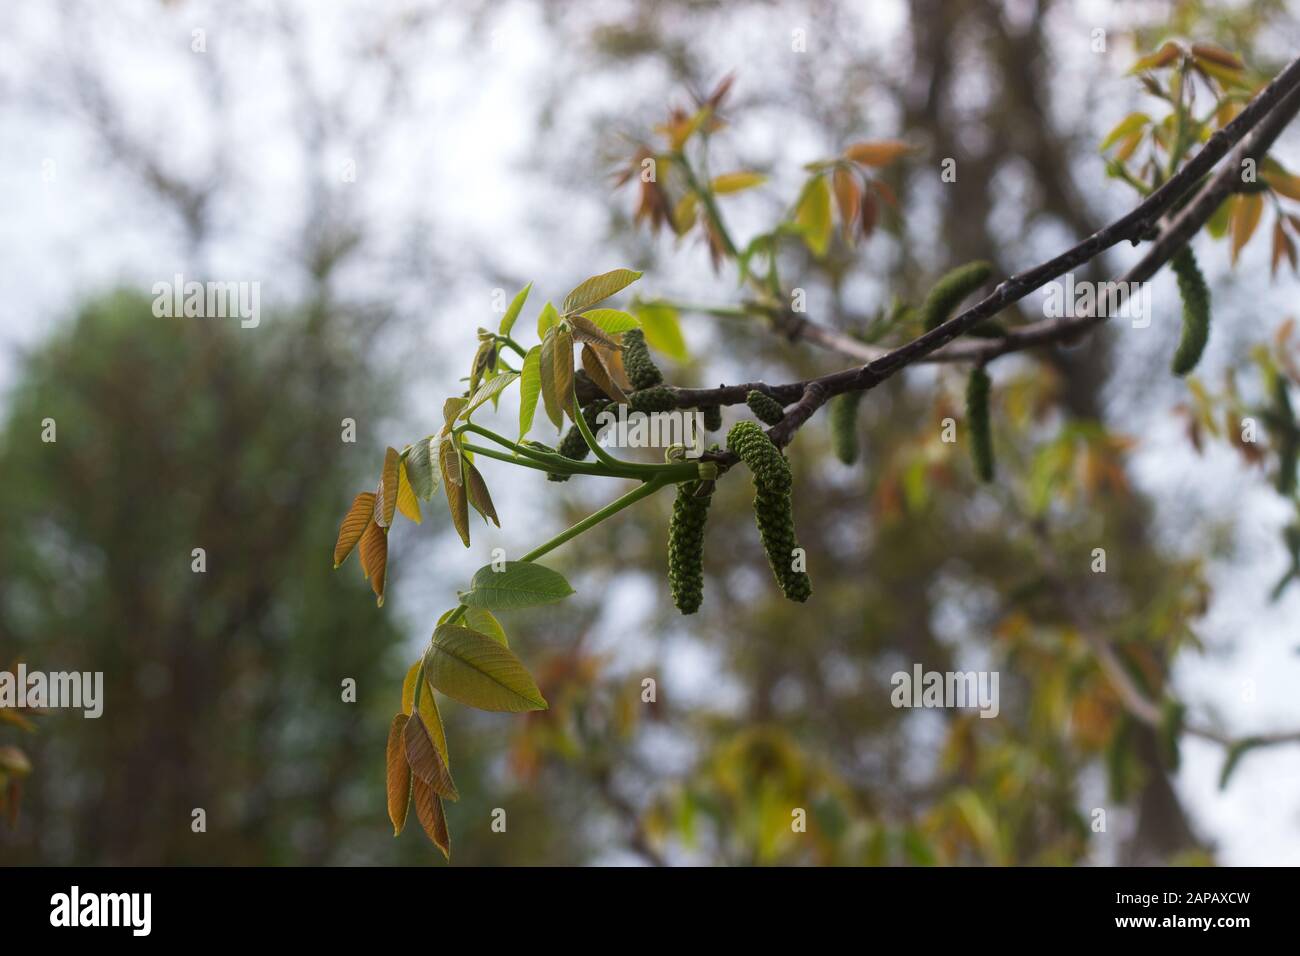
(428, 807)
(478, 494)
(880, 153)
(399, 775)
(354, 525)
(848, 198)
(594, 363)
(425, 761)
(374, 558)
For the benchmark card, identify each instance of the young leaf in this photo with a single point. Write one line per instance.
(419, 469)
(476, 670)
(546, 374)
(598, 288)
(880, 153)
(407, 503)
(520, 584)
(663, 332)
(1129, 125)
(512, 313)
(848, 197)
(481, 620)
(451, 410)
(530, 386)
(1244, 220)
(374, 559)
(813, 215)
(386, 494)
(428, 807)
(424, 759)
(736, 182)
(399, 775)
(428, 709)
(611, 320)
(589, 333)
(354, 525)
(547, 319)
(477, 489)
(452, 483)
(594, 363)
(487, 391)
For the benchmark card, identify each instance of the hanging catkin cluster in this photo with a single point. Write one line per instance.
(574, 445)
(1196, 311)
(641, 369)
(977, 419)
(844, 426)
(948, 292)
(712, 417)
(686, 544)
(765, 408)
(772, 509)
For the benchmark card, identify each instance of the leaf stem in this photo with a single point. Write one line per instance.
(596, 517)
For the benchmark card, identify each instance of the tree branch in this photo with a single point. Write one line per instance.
(1252, 132)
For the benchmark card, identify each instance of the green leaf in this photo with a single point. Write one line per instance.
(512, 313)
(556, 367)
(814, 215)
(476, 670)
(611, 320)
(1128, 125)
(735, 182)
(663, 332)
(598, 288)
(420, 470)
(547, 319)
(487, 391)
(518, 584)
(481, 620)
(530, 386)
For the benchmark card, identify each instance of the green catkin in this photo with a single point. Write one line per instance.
(657, 398)
(751, 445)
(765, 408)
(950, 290)
(712, 417)
(641, 369)
(574, 445)
(1196, 311)
(977, 419)
(775, 519)
(686, 546)
(844, 426)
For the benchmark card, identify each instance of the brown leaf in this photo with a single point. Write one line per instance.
(1216, 54)
(374, 558)
(870, 215)
(354, 525)
(848, 197)
(428, 807)
(386, 493)
(588, 332)
(478, 494)
(424, 759)
(1244, 220)
(452, 483)
(556, 369)
(879, 153)
(593, 362)
(399, 775)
